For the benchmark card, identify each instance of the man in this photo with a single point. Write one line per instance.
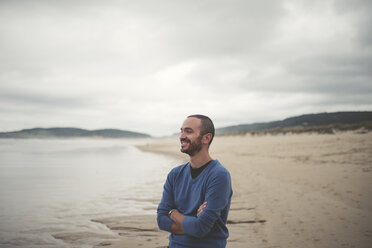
(197, 195)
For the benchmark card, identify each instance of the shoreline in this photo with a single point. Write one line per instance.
(300, 190)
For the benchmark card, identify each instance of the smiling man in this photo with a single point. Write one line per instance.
(197, 195)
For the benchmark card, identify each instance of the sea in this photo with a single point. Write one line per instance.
(50, 189)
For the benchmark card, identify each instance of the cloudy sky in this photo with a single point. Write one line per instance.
(145, 65)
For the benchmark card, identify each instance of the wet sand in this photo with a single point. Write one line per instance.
(303, 190)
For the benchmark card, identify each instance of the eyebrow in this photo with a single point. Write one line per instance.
(187, 129)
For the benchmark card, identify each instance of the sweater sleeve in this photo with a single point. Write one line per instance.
(217, 196)
(165, 205)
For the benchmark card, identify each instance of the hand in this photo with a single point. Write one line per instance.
(177, 219)
(201, 208)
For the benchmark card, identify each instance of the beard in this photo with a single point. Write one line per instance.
(194, 147)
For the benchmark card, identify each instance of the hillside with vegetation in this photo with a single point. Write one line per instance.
(71, 132)
(319, 123)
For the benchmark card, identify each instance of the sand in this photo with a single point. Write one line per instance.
(303, 190)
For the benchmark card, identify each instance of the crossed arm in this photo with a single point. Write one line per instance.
(177, 218)
(218, 192)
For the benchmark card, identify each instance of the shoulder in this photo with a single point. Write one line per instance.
(218, 179)
(218, 168)
(219, 171)
(176, 171)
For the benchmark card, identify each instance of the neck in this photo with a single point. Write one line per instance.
(200, 159)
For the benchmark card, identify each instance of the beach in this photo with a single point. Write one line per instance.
(293, 190)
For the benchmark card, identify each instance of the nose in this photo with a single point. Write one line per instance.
(182, 135)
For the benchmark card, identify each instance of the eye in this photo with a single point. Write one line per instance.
(187, 130)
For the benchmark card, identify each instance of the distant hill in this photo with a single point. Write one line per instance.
(323, 122)
(69, 132)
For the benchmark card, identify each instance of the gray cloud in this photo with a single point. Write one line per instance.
(332, 74)
(41, 100)
(145, 65)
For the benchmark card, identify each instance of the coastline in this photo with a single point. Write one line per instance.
(302, 190)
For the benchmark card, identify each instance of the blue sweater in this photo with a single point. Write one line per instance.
(186, 194)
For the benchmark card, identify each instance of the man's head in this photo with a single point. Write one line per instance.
(206, 125)
(197, 131)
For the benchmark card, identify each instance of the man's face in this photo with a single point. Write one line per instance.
(190, 136)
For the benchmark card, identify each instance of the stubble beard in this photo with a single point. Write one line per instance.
(194, 147)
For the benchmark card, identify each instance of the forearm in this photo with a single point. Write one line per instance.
(177, 228)
(177, 219)
(164, 223)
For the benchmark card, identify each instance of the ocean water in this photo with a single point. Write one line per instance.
(50, 190)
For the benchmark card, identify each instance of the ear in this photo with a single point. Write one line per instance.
(207, 138)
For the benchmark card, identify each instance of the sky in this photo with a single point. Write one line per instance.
(145, 65)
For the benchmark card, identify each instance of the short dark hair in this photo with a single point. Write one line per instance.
(206, 125)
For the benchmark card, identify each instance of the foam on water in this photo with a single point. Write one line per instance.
(50, 190)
